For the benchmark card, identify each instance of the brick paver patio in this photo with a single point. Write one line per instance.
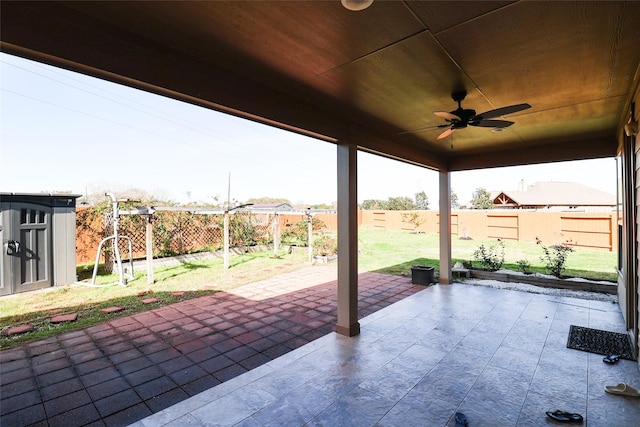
(118, 372)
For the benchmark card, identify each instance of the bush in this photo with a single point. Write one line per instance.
(325, 245)
(490, 257)
(298, 233)
(524, 266)
(555, 258)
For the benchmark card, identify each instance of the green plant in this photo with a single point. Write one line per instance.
(555, 258)
(325, 245)
(524, 266)
(298, 233)
(491, 257)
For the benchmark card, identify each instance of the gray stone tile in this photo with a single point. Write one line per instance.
(447, 383)
(467, 360)
(417, 359)
(418, 409)
(359, 408)
(498, 384)
(533, 412)
(393, 381)
(186, 421)
(233, 408)
(489, 410)
(298, 407)
(513, 359)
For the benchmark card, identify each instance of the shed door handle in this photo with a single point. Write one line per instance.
(13, 247)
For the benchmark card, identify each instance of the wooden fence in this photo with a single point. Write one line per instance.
(593, 230)
(582, 229)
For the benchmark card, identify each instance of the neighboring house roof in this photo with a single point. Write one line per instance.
(554, 194)
(271, 206)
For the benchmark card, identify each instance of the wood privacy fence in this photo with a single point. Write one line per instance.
(192, 233)
(582, 229)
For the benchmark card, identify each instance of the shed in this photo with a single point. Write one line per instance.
(38, 235)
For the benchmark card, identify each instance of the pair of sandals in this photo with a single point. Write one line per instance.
(621, 389)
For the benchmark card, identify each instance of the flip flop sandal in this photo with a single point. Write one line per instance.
(565, 417)
(611, 359)
(461, 420)
(622, 389)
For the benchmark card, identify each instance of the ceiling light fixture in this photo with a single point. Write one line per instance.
(356, 5)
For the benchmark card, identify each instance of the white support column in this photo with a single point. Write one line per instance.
(445, 228)
(347, 323)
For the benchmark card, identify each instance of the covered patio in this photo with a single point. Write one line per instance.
(371, 81)
(498, 356)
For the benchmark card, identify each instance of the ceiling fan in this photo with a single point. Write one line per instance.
(461, 118)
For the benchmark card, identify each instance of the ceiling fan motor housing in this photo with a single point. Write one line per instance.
(465, 116)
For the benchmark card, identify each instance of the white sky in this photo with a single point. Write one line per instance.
(62, 131)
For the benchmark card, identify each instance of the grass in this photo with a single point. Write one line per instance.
(394, 252)
(385, 251)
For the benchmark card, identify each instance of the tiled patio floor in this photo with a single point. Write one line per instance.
(119, 372)
(498, 356)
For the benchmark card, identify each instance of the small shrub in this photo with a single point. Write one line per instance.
(490, 257)
(555, 258)
(325, 245)
(524, 266)
(467, 264)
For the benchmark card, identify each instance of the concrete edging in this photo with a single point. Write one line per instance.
(546, 282)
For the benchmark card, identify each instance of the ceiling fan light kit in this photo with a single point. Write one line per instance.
(356, 5)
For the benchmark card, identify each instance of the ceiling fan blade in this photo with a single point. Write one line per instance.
(424, 129)
(446, 133)
(492, 124)
(447, 116)
(501, 111)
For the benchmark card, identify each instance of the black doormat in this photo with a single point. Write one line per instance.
(600, 342)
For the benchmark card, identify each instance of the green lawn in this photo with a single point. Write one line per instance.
(394, 252)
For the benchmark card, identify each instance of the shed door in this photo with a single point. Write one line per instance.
(4, 269)
(27, 247)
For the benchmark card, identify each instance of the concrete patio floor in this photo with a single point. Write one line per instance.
(498, 356)
(121, 371)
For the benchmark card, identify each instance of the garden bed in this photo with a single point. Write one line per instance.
(542, 280)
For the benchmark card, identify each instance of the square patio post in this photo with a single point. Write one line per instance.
(347, 323)
(445, 227)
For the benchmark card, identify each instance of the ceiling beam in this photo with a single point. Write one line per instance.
(553, 152)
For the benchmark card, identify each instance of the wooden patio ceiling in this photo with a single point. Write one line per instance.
(366, 77)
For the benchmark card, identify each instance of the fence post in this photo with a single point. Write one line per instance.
(310, 235)
(226, 239)
(149, 249)
(276, 234)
